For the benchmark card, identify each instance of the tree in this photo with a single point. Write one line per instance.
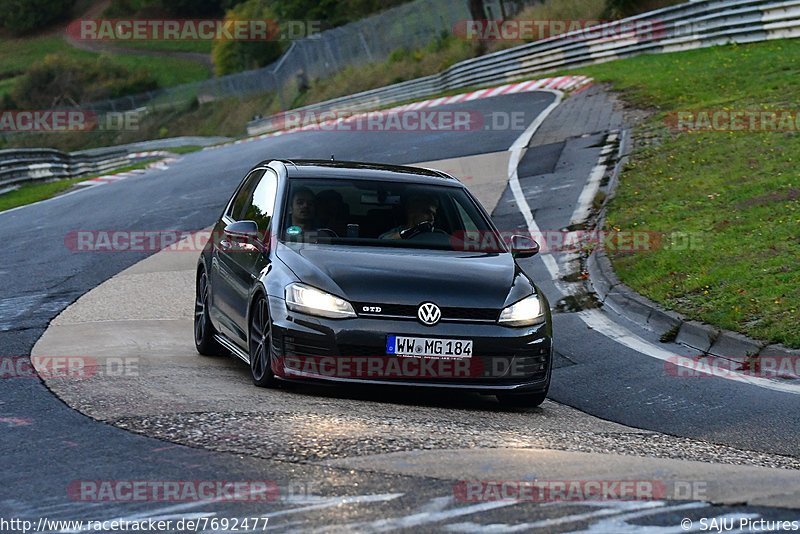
(478, 14)
(231, 56)
(617, 9)
(24, 16)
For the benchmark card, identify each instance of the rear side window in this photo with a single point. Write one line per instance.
(244, 195)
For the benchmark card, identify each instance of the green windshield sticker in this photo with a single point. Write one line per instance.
(294, 230)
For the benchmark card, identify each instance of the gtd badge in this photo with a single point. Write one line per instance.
(429, 313)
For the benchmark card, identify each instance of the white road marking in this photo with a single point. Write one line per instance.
(552, 267)
(596, 319)
(517, 150)
(337, 501)
(619, 524)
(613, 508)
(590, 190)
(424, 518)
(600, 322)
(145, 515)
(170, 511)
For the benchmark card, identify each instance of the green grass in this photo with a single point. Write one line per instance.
(737, 193)
(34, 192)
(186, 149)
(38, 191)
(18, 54)
(202, 47)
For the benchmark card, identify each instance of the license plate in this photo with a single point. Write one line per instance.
(426, 347)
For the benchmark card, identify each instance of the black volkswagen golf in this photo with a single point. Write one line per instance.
(372, 274)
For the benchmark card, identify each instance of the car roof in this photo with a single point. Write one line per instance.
(356, 170)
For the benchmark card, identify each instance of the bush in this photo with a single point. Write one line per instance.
(63, 80)
(617, 9)
(24, 16)
(169, 8)
(234, 56)
(331, 12)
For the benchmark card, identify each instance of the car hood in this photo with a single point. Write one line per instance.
(383, 275)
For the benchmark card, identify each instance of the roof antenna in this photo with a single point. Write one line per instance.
(332, 158)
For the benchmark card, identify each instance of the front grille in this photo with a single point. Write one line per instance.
(305, 346)
(485, 367)
(358, 351)
(404, 311)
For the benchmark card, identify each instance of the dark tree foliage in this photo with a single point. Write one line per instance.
(329, 12)
(617, 9)
(185, 9)
(25, 16)
(233, 56)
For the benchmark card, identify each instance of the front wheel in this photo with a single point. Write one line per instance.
(203, 329)
(261, 345)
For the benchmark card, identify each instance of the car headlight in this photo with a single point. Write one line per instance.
(306, 299)
(525, 312)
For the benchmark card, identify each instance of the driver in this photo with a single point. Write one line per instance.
(420, 208)
(304, 208)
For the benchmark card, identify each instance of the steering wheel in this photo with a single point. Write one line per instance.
(424, 226)
(326, 232)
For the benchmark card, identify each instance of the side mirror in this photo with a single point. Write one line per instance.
(243, 236)
(242, 229)
(523, 246)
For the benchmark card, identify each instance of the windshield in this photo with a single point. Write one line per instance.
(380, 213)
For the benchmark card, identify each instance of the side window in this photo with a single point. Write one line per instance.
(244, 195)
(262, 205)
(466, 221)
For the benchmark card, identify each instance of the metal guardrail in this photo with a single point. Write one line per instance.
(31, 164)
(695, 24)
(26, 165)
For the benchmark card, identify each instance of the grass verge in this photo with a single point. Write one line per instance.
(37, 191)
(34, 192)
(736, 193)
(16, 55)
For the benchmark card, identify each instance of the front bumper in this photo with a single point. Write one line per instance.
(504, 359)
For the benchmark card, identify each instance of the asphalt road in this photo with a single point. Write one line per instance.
(46, 444)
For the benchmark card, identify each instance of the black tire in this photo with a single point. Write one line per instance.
(203, 329)
(260, 344)
(527, 400)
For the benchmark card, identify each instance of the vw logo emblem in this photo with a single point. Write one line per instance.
(429, 313)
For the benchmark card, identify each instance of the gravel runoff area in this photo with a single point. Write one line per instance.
(306, 437)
